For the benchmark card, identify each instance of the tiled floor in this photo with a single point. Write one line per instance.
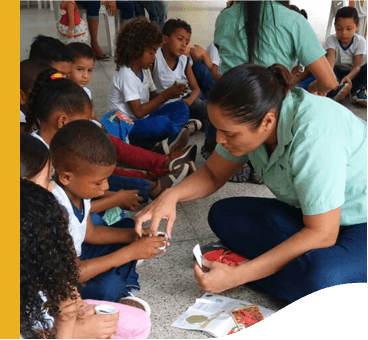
(167, 281)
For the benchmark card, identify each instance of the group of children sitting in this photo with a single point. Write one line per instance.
(100, 171)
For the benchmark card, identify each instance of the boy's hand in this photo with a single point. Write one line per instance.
(129, 199)
(146, 247)
(176, 90)
(346, 79)
(197, 53)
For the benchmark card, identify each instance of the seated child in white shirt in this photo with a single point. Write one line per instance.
(133, 92)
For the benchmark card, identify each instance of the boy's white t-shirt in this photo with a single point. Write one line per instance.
(22, 117)
(215, 56)
(127, 86)
(88, 91)
(36, 135)
(345, 56)
(77, 230)
(164, 76)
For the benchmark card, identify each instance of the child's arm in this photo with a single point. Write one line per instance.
(66, 320)
(127, 199)
(144, 248)
(357, 63)
(195, 91)
(70, 5)
(198, 53)
(142, 110)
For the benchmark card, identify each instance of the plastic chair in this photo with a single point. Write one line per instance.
(109, 23)
(335, 6)
(362, 13)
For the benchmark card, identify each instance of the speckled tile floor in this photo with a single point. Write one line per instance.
(167, 281)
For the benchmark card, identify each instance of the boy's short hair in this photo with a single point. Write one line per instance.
(81, 50)
(172, 25)
(29, 71)
(78, 141)
(49, 49)
(347, 12)
(134, 38)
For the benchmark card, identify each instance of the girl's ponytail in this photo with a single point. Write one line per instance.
(51, 92)
(283, 76)
(31, 115)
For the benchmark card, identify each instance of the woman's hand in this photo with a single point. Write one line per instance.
(219, 278)
(163, 207)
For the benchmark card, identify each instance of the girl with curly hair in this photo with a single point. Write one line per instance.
(134, 93)
(50, 303)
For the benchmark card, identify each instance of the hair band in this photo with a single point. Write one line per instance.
(56, 76)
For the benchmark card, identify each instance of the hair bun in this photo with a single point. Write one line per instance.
(283, 76)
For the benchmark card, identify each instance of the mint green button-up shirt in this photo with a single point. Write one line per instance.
(284, 37)
(320, 162)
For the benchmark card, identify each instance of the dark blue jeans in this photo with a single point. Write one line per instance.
(115, 283)
(359, 81)
(127, 8)
(252, 226)
(164, 122)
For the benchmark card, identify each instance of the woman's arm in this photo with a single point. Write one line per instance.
(206, 180)
(320, 231)
(331, 57)
(325, 77)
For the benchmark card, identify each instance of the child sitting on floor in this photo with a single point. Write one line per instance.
(83, 158)
(146, 164)
(347, 55)
(50, 305)
(134, 93)
(172, 66)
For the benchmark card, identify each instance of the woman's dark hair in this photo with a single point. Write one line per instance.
(47, 259)
(33, 155)
(247, 92)
(49, 49)
(298, 10)
(347, 12)
(133, 39)
(252, 14)
(49, 95)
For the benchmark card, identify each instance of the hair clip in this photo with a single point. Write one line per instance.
(57, 76)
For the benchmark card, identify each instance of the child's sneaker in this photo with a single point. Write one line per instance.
(360, 96)
(255, 177)
(136, 302)
(169, 180)
(179, 143)
(340, 93)
(185, 156)
(242, 175)
(193, 126)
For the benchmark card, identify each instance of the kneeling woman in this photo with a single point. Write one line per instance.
(312, 154)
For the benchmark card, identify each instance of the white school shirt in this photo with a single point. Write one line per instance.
(127, 86)
(215, 57)
(22, 117)
(35, 134)
(164, 76)
(345, 55)
(88, 91)
(77, 230)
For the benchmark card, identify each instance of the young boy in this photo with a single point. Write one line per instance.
(171, 65)
(83, 158)
(83, 64)
(52, 51)
(346, 53)
(29, 71)
(133, 92)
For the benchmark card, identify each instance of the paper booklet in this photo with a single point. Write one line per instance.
(218, 315)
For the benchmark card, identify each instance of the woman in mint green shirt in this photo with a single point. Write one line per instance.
(312, 154)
